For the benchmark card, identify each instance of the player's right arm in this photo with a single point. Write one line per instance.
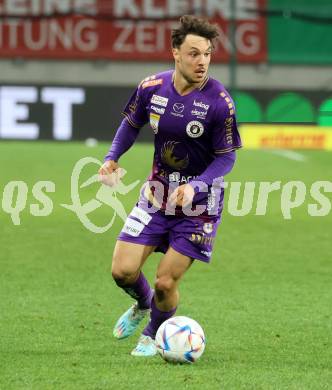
(109, 172)
(135, 117)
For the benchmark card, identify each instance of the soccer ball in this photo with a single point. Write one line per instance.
(180, 340)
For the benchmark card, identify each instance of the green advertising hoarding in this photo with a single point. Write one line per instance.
(300, 31)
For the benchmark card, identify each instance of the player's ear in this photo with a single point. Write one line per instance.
(175, 52)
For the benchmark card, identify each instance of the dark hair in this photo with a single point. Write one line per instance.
(190, 24)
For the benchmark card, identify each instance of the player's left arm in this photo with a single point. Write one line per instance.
(220, 166)
(225, 141)
(225, 134)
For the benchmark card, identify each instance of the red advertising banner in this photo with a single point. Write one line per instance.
(123, 29)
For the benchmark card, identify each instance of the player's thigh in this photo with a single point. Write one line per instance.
(128, 258)
(171, 268)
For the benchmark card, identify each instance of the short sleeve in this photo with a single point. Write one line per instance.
(135, 110)
(225, 134)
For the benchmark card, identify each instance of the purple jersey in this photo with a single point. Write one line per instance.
(190, 131)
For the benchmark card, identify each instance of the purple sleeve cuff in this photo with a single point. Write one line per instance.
(123, 140)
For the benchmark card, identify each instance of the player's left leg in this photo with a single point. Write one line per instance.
(128, 259)
(163, 306)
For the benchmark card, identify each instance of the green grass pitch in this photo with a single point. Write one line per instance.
(264, 301)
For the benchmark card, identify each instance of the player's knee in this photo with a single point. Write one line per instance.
(164, 285)
(122, 276)
(121, 279)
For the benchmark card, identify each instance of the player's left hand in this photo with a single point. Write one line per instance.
(182, 196)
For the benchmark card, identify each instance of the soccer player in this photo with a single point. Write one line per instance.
(179, 209)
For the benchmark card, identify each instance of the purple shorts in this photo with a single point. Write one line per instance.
(190, 236)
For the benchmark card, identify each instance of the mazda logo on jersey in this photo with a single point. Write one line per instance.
(178, 107)
(194, 129)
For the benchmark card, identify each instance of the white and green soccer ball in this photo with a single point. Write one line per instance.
(180, 340)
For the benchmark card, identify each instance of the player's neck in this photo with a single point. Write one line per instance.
(182, 86)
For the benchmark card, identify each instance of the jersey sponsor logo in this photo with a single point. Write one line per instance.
(158, 110)
(152, 83)
(208, 228)
(178, 109)
(229, 130)
(132, 227)
(194, 129)
(159, 100)
(206, 253)
(140, 214)
(211, 203)
(154, 121)
(201, 105)
(175, 177)
(199, 114)
(201, 239)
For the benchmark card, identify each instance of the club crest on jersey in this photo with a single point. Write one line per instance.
(208, 228)
(194, 129)
(154, 122)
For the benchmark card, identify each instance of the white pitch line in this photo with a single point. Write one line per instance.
(290, 154)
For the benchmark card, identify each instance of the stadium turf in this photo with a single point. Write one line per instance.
(264, 301)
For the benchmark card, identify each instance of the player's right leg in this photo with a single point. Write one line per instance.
(128, 259)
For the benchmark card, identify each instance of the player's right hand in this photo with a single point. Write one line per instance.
(110, 173)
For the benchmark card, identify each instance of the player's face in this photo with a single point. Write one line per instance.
(192, 58)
